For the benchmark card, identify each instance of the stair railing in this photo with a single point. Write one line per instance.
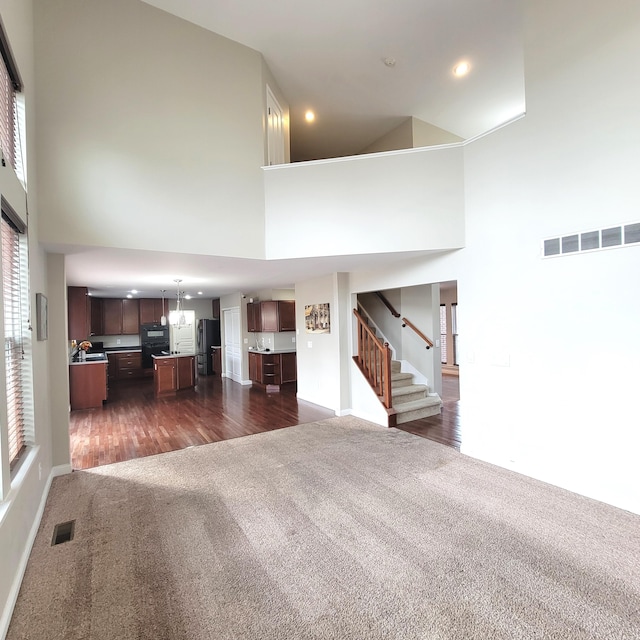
(387, 304)
(406, 323)
(374, 360)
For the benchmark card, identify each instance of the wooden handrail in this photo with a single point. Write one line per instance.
(374, 360)
(406, 323)
(387, 304)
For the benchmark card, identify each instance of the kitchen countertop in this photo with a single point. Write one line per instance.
(101, 360)
(268, 351)
(173, 355)
(121, 349)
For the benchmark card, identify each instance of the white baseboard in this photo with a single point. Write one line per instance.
(369, 418)
(61, 470)
(5, 619)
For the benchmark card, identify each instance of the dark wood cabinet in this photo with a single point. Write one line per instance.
(126, 365)
(286, 315)
(78, 313)
(288, 368)
(121, 317)
(271, 370)
(254, 322)
(112, 310)
(130, 316)
(215, 308)
(96, 313)
(113, 366)
(164, 376)
(87, 385)
(129, 365)
(216, 356)
(254, 367)
(173, 374)
(271, 316)
(151, 310)
(186, 377)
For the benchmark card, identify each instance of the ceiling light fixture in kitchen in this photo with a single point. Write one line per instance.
(179, 319)
(163, 317)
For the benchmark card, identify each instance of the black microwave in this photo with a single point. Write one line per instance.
(154, 333)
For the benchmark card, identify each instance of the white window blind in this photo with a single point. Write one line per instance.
(443, 334)
(16, 342)
(10, 85)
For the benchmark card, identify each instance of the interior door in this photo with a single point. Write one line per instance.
(275, 130)
(232, 344)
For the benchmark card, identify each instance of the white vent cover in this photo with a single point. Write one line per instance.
(610, 238)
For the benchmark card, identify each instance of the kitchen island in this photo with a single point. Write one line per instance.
(172, 373)
(88, 387)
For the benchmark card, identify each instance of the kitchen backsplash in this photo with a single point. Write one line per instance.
(118, 341)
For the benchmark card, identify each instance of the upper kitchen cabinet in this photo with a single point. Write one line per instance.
(286, 315)
(254, 322)
(121, 317)
(78, 313)
(96, 316)
(271, 316)
(151, 310)
(130, 316)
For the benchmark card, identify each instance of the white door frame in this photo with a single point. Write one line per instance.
(232, 349)
(275, 130)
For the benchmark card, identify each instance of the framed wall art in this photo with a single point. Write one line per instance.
(317, 318)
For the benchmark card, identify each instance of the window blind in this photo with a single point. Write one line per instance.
(443, 334)
(10, 83)
(14, 336)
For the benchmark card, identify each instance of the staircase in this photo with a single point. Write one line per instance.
(403, 400)
(411, 401)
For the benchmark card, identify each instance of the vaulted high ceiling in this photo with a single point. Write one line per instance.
(330, 57)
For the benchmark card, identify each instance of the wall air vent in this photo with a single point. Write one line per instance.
(623, 235)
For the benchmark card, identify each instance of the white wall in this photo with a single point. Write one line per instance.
(550, 373)
(368, 195)
(400, 137)
(417, 305)
(318, 355)
(19, 510)
(426, 134)
(388, 325)
(144, 117)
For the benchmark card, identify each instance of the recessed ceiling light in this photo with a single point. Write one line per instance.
(309, 116)
(187, 297)
(134, 291)
(389, 62)
(461, 69)
(199, 293)
(129, 295)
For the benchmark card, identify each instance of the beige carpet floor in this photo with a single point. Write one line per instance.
(337, 529)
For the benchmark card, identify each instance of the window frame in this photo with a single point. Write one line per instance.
(15, 302)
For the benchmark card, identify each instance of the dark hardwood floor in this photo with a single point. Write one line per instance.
(133, 423)
(444, 427)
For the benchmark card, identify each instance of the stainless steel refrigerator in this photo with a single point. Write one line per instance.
(207, 336)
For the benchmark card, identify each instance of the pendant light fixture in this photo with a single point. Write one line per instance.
(179, 315)
(163, 317)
